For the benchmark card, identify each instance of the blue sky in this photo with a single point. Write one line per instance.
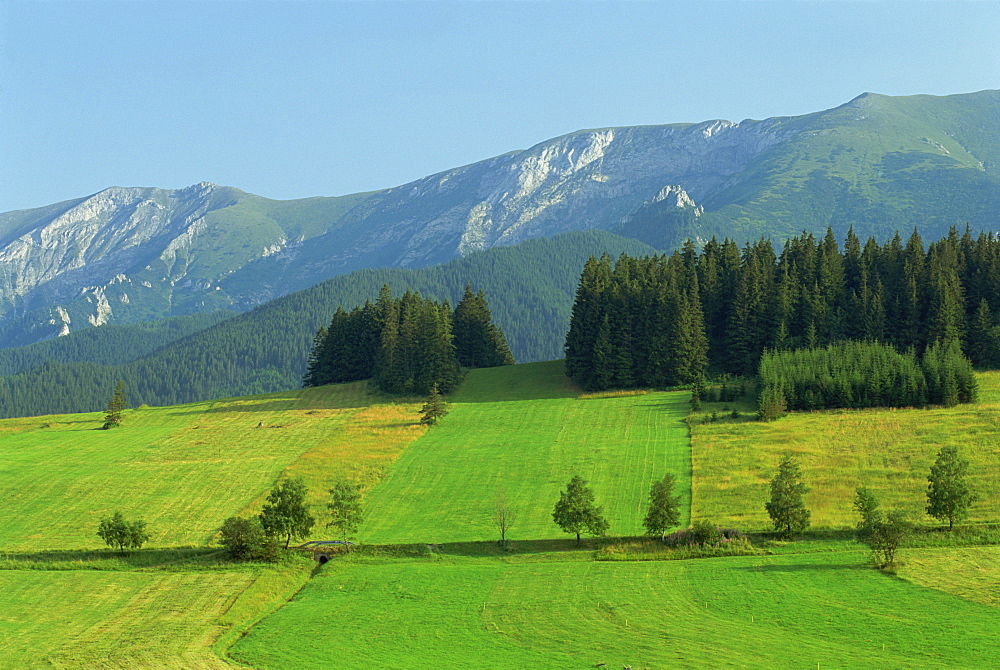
(291, 99)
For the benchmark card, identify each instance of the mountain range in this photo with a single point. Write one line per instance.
(877, 163)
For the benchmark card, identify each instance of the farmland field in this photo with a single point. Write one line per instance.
(798, 610)
(183, 469)
(889, 451)
(140, 619)
(465, 602)
(525, 430)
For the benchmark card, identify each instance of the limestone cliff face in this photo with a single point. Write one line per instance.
(588, 179)
(126, 254)
(121, 254)
(129, 254)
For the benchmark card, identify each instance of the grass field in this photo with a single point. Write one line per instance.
(889, 451)
(184, 469)
(132, 619)
(524, 429)
(801, 611)
(468, 603)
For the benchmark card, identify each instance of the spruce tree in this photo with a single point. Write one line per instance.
(786, 507)
(479, 343)
(116, 405)
(434, 408)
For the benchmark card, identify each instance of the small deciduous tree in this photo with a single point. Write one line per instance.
(117, 531)
(286, 513)
(886, 537)
(245, 539)
(116, 405)
(575, 511)
(949, 494)
(503, 515)
(664, 507)
(346, 512)
(786, 508)
(434, 408)
(866, 504)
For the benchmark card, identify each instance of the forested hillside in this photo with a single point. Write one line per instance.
(112, 344)
(530, 288)
(665, 320)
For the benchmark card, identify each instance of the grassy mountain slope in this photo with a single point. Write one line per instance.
(534, 433)
(791, 611)
(530, 288)
(879, 163)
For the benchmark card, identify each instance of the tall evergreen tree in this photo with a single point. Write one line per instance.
(116, 405)
(479, 343)
(786, 507)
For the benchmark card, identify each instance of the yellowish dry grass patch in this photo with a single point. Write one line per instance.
(969, 572)
(360, 449)
(888, 450)
(620, 393)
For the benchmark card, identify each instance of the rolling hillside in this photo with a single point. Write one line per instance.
(463, 601)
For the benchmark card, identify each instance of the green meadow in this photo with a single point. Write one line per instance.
(429, 585)
(524, 430)
(888, 450)
(826, 610)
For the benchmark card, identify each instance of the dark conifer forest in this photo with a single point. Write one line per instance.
(409, 344)
(671, 320)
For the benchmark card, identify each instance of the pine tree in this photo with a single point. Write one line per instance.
(786, 508)
(116, 405)
(434, 408)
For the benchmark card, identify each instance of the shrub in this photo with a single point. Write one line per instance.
(246, 540)
(118, 532)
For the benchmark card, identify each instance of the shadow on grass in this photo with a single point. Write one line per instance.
(110, 559)
(803, 567)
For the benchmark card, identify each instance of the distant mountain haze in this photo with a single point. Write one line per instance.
(876, 163)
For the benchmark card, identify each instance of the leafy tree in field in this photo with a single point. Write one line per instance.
(886, 537)
(121, 533)
(345, 508)
(949, 494)
(786, 508)
(286, 513)
(245, 539)
(664, 507)
(434, 408)
(575, 511)
(503, 516)
(866, 504)
(116, 405)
